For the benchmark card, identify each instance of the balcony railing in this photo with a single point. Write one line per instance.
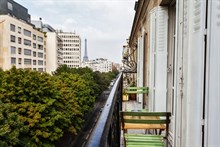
(107, 130)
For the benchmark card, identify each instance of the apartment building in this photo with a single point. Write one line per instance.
(54, 46)
(104, 65)
(176, 48)
(21, 44)
(54, 52)
(71, 47)
(99, 64)
(10, 7)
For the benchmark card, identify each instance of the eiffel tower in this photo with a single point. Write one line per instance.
(85, 57)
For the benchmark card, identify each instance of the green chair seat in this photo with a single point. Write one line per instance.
(154, 120)
(143, 135)
(143, 140)
(143, 145)
(138, 90)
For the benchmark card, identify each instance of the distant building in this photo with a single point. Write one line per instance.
(20, 43)
(54, 46)
(100, 64)
(25, 43)
(71, 47)
(117, 66)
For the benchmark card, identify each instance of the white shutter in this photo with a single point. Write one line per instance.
(181, 72)
(212, 137)
(158, 57)
(161, 59)
(195, 74)
(138, 59)
(140, 82)
(140, 69)
(152, 37)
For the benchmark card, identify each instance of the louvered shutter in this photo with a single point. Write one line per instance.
(161, 59)
(158, 57)
(195, 73)
(152, 37)
(212, 132)
(140, 70)
(181, 72)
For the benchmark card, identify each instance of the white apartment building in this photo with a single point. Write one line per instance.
(54, 52)
(54, 46)
(21, 45)
(100, 64)
(71, 47)
(177, 49)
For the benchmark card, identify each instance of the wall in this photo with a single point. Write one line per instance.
(51, 52)
(6, 44)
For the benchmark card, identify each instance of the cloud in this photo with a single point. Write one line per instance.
(105, 23)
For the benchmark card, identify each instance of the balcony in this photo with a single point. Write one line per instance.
(108, 129)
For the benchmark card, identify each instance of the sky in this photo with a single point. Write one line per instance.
(106, 24)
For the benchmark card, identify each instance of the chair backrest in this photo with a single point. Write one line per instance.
(137, 90)
(146, 118)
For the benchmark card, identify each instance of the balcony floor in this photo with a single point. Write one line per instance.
(131, 105)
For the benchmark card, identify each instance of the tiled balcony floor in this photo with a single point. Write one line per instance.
(131, 105)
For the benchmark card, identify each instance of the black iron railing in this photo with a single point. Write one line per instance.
(107, 130)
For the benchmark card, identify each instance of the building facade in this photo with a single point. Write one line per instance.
(177, 56)
(21, 45)
(99, 64)
(54, 46)
(54, 52)
(71, 47)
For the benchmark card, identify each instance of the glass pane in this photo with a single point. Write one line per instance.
(13, 50)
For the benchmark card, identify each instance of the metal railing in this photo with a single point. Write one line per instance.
(107, 131)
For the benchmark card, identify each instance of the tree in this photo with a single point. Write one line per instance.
(81, 89)
(62, 69)
(37, 108)
(31, 98)
(11, 125)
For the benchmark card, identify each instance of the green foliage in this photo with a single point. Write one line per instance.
(79, 98)
(33, 97)
(11, 125)
(1, 75)
(37, 108)
(62, 69)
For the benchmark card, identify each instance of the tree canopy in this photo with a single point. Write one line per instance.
(37, 108)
